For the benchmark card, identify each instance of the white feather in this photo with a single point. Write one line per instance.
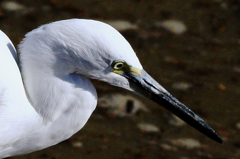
(55, 103)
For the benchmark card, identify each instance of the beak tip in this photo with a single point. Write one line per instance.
(206, 130)
(217, 138)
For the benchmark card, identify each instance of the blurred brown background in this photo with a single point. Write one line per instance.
(199, 64)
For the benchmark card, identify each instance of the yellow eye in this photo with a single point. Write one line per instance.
(118, 65)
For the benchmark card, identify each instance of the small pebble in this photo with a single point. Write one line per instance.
(222, 87)
(77, 144)
(169, 59)
(182, 86)
(188, 143)
(168, 147)
(174, 26)
(236, 69)
(224, 6)
(121, 25)
(238, 125)
(145, 127)
(12, 6)
(121, 105)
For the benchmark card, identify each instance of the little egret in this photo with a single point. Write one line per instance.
(48, 96)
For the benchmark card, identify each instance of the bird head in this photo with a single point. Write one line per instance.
(98, 51)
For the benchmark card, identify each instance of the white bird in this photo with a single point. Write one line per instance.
(50, 97)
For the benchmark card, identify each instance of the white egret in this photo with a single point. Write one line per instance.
(52, 98)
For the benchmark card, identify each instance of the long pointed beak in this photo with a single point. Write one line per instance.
(142, 83)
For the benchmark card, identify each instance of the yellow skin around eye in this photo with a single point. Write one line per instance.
(127, 68)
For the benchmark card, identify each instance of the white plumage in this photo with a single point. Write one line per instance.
(57, 98)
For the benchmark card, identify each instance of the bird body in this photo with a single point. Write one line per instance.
(23, 129)
(52, 97)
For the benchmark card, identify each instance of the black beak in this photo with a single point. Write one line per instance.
(146, 86)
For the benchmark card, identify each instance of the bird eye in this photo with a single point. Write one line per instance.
(118, 65)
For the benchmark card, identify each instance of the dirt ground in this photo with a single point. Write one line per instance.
(206, 57)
